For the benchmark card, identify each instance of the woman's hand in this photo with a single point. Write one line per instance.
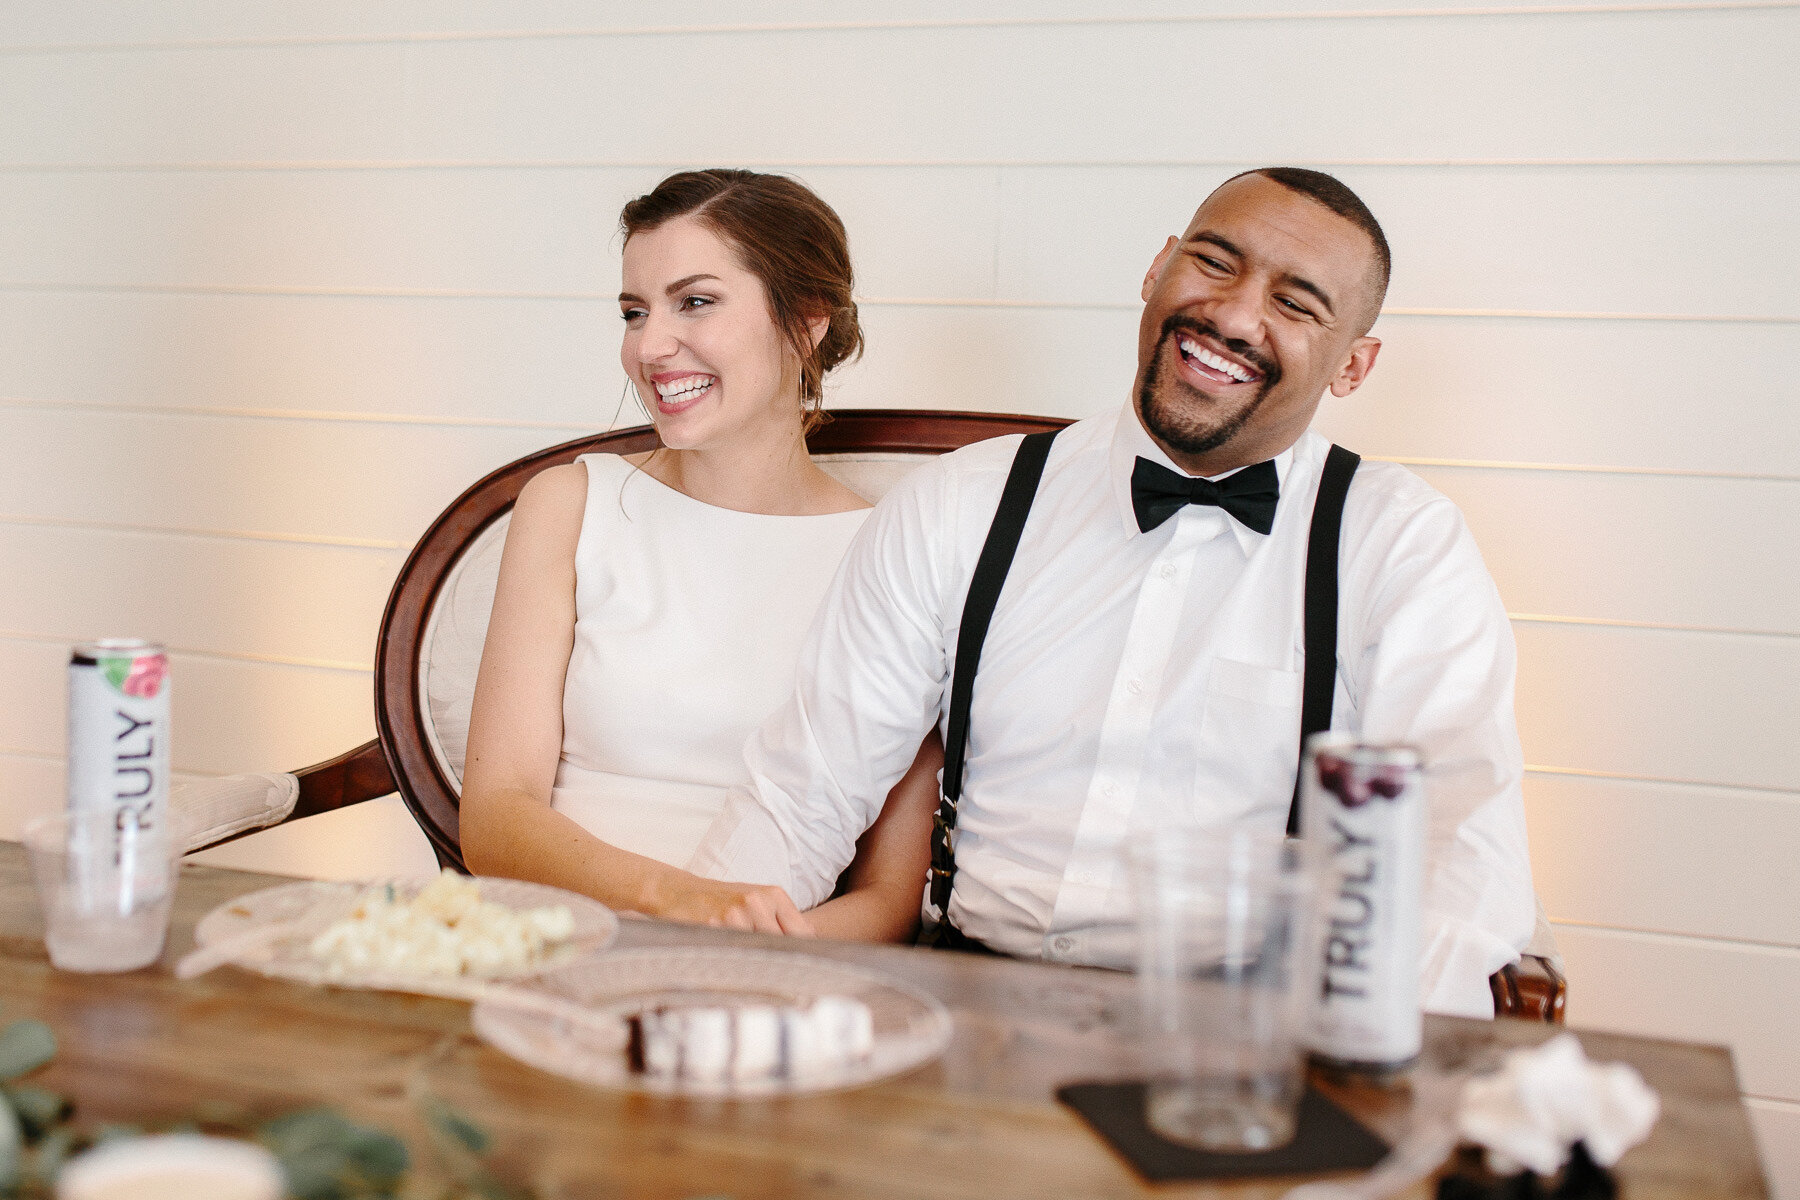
(760, 908)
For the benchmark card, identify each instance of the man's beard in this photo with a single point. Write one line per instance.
(1180, 427)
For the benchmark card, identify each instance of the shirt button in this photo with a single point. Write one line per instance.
(1063, 945)
(1168, 571)
(1134, 687)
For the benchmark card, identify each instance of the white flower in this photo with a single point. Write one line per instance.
(1544, 1100)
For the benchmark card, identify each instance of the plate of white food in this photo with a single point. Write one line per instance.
(449, 936)
(720, 1022)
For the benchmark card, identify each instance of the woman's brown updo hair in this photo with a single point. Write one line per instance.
(788, 238)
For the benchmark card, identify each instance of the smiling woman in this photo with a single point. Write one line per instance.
(789, 240)
(650, 610)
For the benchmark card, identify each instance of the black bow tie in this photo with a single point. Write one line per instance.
(1158, 493)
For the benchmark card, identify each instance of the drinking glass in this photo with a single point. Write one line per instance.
(105, 888)
(1223, 922)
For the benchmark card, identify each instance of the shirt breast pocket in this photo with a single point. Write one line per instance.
(1250, 737)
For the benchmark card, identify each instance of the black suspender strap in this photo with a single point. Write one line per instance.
(978, 611)
(1320, 681)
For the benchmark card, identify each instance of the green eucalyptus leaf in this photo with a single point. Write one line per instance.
(309, 1146)
(328, 1157)
(24, 1047)
(450, 1125)
(313, 1174)
(305, 1129)
(488, 1188)
(379, 1157)
(39, 1108)
(48, 1156)
(12, 1147)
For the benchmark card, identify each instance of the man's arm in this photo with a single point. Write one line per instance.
(1433, 666)
(869, 682)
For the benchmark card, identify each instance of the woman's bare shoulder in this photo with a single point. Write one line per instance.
(555, 486)
(552, 501)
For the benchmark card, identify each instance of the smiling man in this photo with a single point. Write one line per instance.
(1145, 661)
(1264, 303)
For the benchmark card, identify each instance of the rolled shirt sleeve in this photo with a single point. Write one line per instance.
(1435, 669)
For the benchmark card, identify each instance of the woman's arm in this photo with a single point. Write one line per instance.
(515, 739)
(887, 877)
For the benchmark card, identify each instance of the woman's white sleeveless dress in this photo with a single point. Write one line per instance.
(688, 624)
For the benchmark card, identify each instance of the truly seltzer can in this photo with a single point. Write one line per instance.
(1364, 807)
(119, 769)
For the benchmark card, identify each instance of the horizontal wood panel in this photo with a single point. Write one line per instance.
(1712, 708)
(1582, 392)
(228, 716)
(921, 232)
(1653, 549)
(1559, 239)
(313, 603)
(1570, 392)
(122, 21)
(1691, 990)
(1718, 553)
(1777, 1125)
(30, 787)
(320, 102)
(245, 716)
(34, 705)
(374, 839)
(1711, 862)
(509, 360)
(1057, 363)
(503, 360)
(1645, 84)
(303, 478)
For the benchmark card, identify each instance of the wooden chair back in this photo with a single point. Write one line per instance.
(425, 763)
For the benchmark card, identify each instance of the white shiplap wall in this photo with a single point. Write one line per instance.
(276, 282)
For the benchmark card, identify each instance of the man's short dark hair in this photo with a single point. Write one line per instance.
(1331, 192)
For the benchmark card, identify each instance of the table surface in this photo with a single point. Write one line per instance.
(981, 1123)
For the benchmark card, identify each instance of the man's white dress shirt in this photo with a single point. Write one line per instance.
(1133, 679)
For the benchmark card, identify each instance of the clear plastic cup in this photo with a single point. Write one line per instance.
(1224, 919)
(105, 891)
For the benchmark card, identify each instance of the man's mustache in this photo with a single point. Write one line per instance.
(1177, 323)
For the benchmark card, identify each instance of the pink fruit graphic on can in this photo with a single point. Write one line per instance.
(141, 676)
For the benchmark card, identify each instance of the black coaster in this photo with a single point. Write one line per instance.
(1328, 1138)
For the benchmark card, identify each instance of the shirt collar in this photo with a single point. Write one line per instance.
(1131, 443)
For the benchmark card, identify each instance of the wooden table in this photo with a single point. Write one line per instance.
(981, 1123)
